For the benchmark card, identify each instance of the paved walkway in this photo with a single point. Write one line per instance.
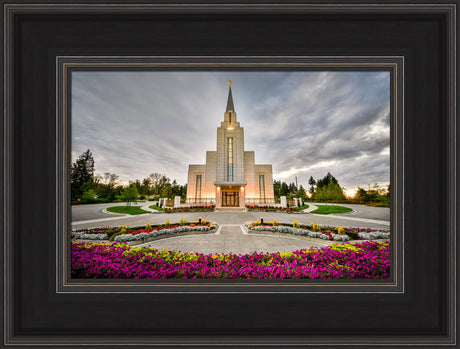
(232, 238)
(233, 218)
(310, 208)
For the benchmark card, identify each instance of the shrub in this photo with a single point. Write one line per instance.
(374, 235)
(89, 197)
(113, 236)
(144, 234)
(353, 235)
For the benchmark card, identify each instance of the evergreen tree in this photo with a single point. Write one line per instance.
(276, 188)
(82, 172)
(330, 193)
(284, 190)
(312, 183)
(323, 182)
(301, 193)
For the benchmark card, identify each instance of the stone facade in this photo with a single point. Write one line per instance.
(230, 177)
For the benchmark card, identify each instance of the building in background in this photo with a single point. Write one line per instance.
(230, 177)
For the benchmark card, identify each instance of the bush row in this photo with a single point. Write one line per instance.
(374, 235)
(271, 208)
(85, 236)
(154, 233)
(301, 232)
(331, 234)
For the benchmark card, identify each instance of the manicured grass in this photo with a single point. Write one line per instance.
(326, 209)
(155, 207)
(127, 209)
(301, 208)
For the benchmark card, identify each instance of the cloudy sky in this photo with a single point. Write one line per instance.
(309, 123)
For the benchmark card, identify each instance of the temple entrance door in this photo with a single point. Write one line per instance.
(230, 199)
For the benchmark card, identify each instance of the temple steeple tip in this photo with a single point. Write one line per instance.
(230, 106)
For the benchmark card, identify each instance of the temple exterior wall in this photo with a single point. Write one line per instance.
(230, 176)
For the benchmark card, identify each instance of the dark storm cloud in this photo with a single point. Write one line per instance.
(308, 123)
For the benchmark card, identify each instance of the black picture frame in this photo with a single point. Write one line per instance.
(36, 34)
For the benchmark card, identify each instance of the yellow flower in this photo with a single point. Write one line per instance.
(167, 223)
(286, 254)
(274, 222)
(148, 226)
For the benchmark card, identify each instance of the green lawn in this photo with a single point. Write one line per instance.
(155, 207)
(326, 209)
(127, 209)
(301, 208)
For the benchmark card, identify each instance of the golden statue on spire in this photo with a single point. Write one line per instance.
(229, 82)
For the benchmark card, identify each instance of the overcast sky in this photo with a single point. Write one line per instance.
(309, 123)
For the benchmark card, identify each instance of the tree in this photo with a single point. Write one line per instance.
(276, 188)
(330, 193)
(301, 193)
(154, 179)
(284, 190)
(105, 186)
(336, 192)
(312, 183)
(88, 197)
(323, 182)
(130, 194)
(361, 195)
(82, 172)
(146, 188)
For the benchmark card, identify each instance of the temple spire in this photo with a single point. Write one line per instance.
(230, 106)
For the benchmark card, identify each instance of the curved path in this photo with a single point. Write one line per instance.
(98, 211)
(232, 238)
(361, 211)
(234, 218)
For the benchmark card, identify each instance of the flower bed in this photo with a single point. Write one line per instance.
(300, 231)
(324, 232)
(271, 208)
(143, 234)
(191, 208)
(113, 233)
(101, 233)
(365, 260)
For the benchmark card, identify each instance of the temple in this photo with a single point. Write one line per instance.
(230, 177)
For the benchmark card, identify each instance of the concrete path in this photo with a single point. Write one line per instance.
(99, 211)
(310, 208)
(362, 211)
(233, 218)
(232, 238)
(147, 208)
